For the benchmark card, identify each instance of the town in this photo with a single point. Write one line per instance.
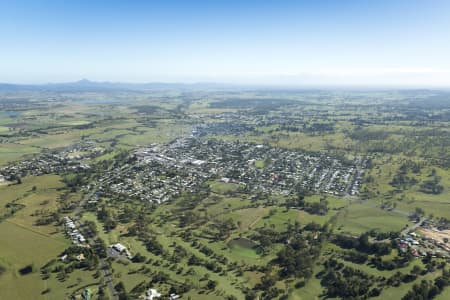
(74, 158)
(160, 173)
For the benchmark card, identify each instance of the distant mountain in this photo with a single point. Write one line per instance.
(15, 87)
(87, 85)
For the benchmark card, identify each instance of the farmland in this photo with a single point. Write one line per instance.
(224, 194)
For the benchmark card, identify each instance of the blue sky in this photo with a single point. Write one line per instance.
(269, 42)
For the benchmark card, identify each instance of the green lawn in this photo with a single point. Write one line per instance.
(222, 187)
(21, 246)
(361, 217)
(12, 152)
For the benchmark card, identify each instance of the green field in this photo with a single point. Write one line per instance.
(216, 240)
(22, 246)
(360, 217)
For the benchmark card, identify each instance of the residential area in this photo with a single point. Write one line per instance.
(426, 240)
(74, 158)
(160, 173)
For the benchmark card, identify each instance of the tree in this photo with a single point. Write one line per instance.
(211, 284)
(419, 212)
(119, 287)
(138, 258)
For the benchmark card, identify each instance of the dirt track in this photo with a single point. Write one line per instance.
(435, 234)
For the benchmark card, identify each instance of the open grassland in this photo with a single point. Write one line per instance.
(361, 217)
(399, 292)
(12, 151)
(311, 290)
(222, 188)
(444, 295)
(236, 249)
(438, 205)
(294, 140)
(126, 271)
(164, 132)
(338, 124)
(406, 199)
(34, 193)
(22, 246)
(280, 217)
(24, 243)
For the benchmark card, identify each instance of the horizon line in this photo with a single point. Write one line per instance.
(235, 84)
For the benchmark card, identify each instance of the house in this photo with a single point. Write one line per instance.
(151, 294)
(174, 296)
(80, 257)
(119, 248)
(403, 247)
(198, 162)
(81, 238)
(225, 179)
(415, 253)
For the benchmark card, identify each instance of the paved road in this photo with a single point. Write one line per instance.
(103, 263)
(80, 207)
(107, 274)
(91, 193)
(76, 217)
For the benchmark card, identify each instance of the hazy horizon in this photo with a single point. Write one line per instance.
(239, 85)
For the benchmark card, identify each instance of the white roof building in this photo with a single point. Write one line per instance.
(152, 294)
(119, 247)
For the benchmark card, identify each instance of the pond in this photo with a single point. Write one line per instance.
(245, 247)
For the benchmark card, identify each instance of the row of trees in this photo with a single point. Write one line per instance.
(429, 289)
(432, 186)
(314, 208)
(347, 283)
(362, 244)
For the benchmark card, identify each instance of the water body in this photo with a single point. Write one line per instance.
(10, 113)
(245, 247)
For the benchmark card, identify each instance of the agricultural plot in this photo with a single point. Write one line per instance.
(361, 217)
(224, 194)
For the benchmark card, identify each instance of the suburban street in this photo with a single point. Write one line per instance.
(103, 263)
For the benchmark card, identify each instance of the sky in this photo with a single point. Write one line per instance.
(361, 42)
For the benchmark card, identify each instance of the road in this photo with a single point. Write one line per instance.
(76, 217)
(103, 263)
(89, 195)
(109, 283)
(413, 226)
